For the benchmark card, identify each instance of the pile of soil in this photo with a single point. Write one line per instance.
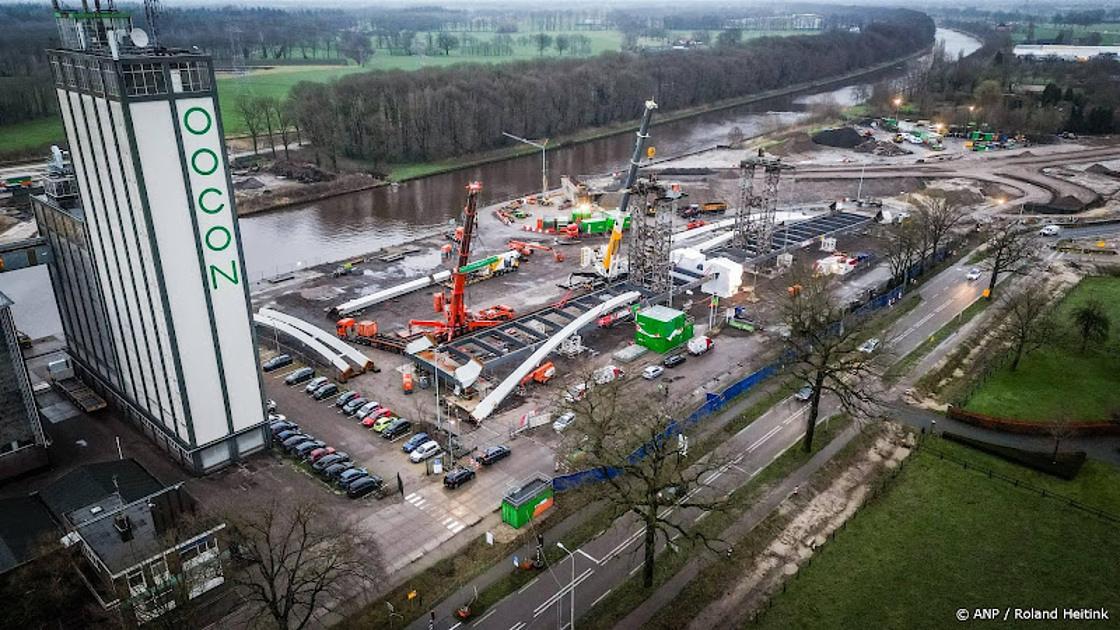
(843, 138)
(1101, 169)
(251, 183)
(878, 147)
(302, 172)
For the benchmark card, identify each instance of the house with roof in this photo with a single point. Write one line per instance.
(147, 548)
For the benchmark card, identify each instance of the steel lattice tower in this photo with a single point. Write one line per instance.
(651, 237)
(754, 217)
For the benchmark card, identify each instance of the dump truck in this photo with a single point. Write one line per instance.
(713, 207)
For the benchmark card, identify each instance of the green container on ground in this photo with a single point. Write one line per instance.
(520, 505)
(661, 328)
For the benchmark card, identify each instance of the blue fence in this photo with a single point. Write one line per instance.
(713, 404)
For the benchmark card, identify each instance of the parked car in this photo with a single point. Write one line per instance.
(564, 421)
(869, 346)
(276, 362)
(1050, 230)
(346, 397)
(805, 394)
(379, 424)
(286, 433)
(426, 450)
(304, 448)
(293, 439)
(653, 371)
(973, 274)
(353, 406)
(363, 487)
(334, 470)
(673, 360)
(326, 391)
(278, 426)
(271, 405)
(349, 476)
(458, 477)
(396, 428)
(576, 392)
(493, 454)
(329, 460)
(414, 441)
(319, 453)
(380, 412)
(299, 376)
(367, 409)
(277, 417)
(315, 384)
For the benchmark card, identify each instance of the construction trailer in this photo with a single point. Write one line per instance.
(522, 504)
(662, 329)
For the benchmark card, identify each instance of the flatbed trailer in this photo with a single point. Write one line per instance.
(80, 394)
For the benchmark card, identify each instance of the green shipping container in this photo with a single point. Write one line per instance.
(520, 505)
(661, 329)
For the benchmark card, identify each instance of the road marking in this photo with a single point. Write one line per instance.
(457, 528)
(485, 617)
(517, 626)
(600, 598)
(455, 626)
(562, 592)
(525, 588)
(701, 517)
(409, 497)
(587, 555)
(635, 569)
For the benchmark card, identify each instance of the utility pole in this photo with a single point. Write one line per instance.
(544, 159)
(572, 559)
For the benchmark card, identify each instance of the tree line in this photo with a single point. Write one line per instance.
(442, 112)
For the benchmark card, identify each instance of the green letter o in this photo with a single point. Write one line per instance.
(194, 161)
(202, 203)
(187, 123)
(218, 228)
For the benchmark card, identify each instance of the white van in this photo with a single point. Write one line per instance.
(1050, 230)
(426, 450)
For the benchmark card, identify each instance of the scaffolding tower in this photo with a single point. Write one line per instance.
(754, 216)
(651, 236)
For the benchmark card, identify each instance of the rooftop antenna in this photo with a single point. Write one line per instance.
(152, 10)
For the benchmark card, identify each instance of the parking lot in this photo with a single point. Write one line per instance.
(427, 514)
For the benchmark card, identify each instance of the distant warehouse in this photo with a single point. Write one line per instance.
(1066, 52)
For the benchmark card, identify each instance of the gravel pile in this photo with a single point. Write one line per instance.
(878, 147)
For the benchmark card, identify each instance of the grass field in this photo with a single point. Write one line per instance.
(1110, 32)
(1058, 380)
(30, 136)
(944, 537)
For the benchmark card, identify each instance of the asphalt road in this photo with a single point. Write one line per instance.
(615, 555)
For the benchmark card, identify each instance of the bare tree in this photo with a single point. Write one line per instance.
(250, 109)
(297, 558)
(902, 252)
(824, 341)
(1059, 429)
(1092, 322)
(1009, 250)
(643, 461)
(269, 106)
(285, 120)
(1027, 322)
(937, 216)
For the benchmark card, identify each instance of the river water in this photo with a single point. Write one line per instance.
(357, 223)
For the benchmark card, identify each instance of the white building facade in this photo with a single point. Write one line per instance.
(176, 348)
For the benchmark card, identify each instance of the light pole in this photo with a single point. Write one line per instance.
(571, 558)
(544, 159)
(897, 105)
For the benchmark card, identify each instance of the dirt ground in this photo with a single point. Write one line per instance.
(813, 513)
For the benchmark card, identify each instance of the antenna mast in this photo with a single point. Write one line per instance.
(152, 10)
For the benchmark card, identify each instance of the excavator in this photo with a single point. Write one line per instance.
(457, 319)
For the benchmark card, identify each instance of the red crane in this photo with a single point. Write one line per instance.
(457, 319)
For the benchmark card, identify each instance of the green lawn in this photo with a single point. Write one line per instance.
(1110, 32)
(30, 136)
(1058, 380)
(943, 538)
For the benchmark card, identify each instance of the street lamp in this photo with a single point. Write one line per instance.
(897, 105)
(971, 108)
(572, 558)
(544, 159)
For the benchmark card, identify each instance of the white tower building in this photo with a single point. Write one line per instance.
(148, 268)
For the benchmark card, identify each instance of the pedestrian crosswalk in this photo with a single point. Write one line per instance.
(421, 503)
